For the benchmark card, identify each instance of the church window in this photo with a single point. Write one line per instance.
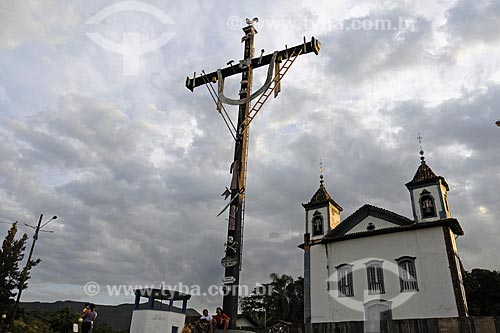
(345, 284)
(407, 274)
(375, 275)
(317, 224)
(427, 205)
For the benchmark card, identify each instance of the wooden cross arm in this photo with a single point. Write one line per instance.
(313, 46)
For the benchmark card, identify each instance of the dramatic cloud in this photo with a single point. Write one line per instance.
(475, 21)
(134, 165)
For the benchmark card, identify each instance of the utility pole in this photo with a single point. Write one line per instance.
(279, 62)
(27, 268)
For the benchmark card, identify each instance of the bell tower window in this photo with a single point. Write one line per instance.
(317, 224)
(427, 205)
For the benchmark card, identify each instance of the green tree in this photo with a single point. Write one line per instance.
(280, 299)
(62, 321)
(253, 307)
(482, 289)
(11, 255)
(31, 325)
(31, 322)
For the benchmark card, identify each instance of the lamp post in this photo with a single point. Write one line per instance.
(20, 287)
(1, 323)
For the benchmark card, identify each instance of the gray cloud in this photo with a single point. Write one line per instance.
(134, 166)
(357, 54)
(474, 21)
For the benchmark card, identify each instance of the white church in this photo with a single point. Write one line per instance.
(377, 264)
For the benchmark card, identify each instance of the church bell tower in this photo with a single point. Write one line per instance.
(428, 193)
(322, 213)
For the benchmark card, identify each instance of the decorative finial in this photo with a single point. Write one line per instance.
(422, 157)
(252, 21)
(321, 181)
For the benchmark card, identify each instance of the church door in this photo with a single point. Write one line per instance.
(375, 311)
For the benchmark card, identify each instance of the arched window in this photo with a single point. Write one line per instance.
(375, 276)
(407, 274)
(344, 276)
(427, 205)
(317, 224)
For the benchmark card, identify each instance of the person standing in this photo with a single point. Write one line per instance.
(88, 318)
(86, 309)
(94, 316)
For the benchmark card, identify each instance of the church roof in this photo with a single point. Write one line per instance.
(365, 211)
(321, 197)
(425, 175)
(401, 223)
(452, 223)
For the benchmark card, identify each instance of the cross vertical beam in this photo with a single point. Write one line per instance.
(230, 301)
(281, 61)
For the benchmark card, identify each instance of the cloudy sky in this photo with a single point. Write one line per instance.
(134, 163)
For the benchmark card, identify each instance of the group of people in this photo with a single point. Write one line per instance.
(88, 317)
(208, 323)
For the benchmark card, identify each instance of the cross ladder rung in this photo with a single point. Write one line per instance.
(277, 78)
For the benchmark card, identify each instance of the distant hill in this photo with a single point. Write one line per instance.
(116, 316)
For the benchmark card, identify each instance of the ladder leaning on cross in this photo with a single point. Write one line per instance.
(279, 62)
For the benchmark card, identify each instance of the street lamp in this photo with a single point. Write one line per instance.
(1, 323)
(498, 122)
(28, 266)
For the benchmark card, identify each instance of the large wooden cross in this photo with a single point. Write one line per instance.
(278, 64)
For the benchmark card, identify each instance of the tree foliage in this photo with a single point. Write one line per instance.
(62, 321)
(482, 289)
(31, 325)
(280, 299)
(11, 255)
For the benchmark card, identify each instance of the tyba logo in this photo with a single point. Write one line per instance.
(131, 49)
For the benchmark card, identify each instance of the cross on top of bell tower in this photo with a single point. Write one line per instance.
(422, 157)
(321, 181)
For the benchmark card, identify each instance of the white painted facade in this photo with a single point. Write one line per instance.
(155, 321)
(435, 297)
(414, 262)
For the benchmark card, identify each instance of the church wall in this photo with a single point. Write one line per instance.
(434, 299)
(334, 217)
(320, 310)
(456, 262)
(446, 207)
